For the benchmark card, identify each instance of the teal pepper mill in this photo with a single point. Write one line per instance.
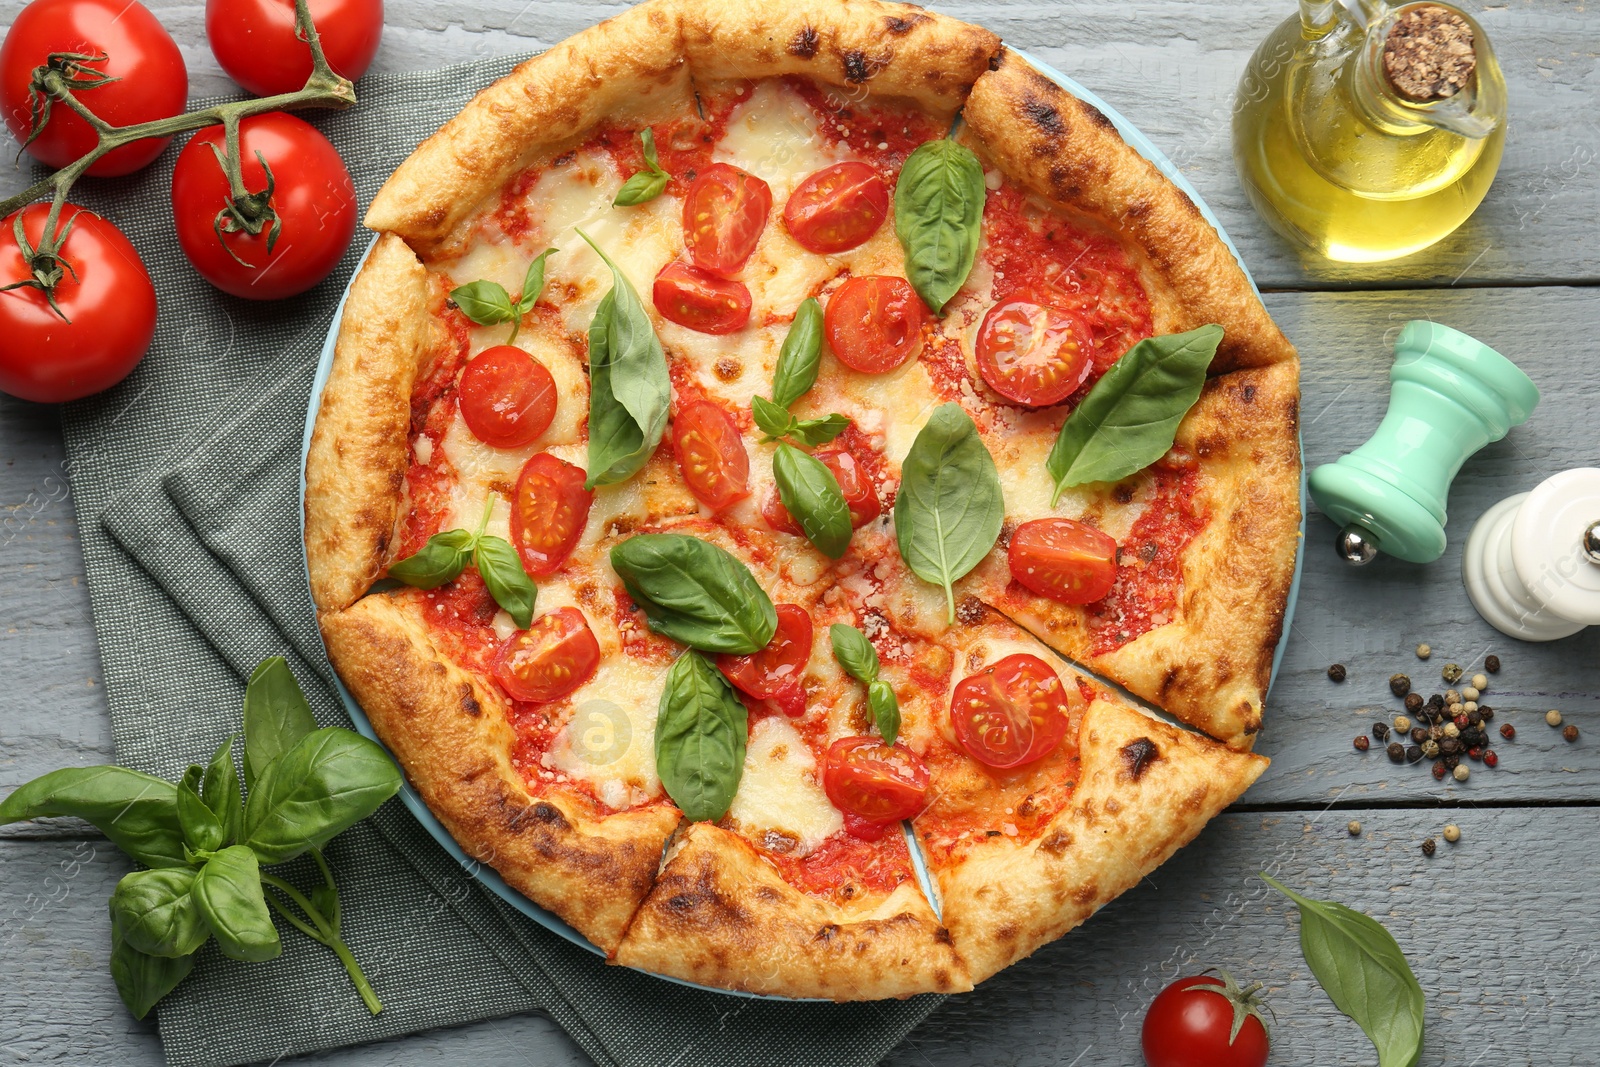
(1450, 395)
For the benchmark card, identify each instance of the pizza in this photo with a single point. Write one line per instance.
(779, 463)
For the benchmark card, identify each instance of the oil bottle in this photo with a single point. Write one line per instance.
(1366, 132)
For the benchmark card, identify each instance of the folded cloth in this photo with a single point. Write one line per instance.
(186, 482)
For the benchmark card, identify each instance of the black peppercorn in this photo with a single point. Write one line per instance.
(1336, 672)
(1362, 743)
(1436, 701)
(1419, 734)
(1414, 702)
(1450, 746)
(1570, 734)
(1475, 718)
(1413, 753)
(1508, 731)
(1474, 736)
(1491, 664)
(1399, 685)
(1429, 846)
(1380, 730)
(1449, 762)
(1396, 751)
(1486, 712)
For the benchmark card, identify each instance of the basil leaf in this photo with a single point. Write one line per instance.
(938, 216)
(508, 583)
(694, 592)
(701, 732)
(819, 431)
(202, 830)
(812, 494)
(1364, 973)
(948, 512)
(1130, 417)
(276, 716)
(220, 790)
(800, 355)
(158, 913)
(142, 979)
(440, 560)
(854, 652)
(885, 709)
(647, 184)
(532, 286)
(774, 421)
(484, 302)
(330, 780)
(138, 812)
(228, 892)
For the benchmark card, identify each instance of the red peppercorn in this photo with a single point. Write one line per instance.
(1491, 758)
(1362, 743)
(1461, 722)
(1475, 753)
(1440, 770)
(1570, 734)
(1508, 732)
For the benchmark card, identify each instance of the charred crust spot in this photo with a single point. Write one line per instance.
(1028, 807)
(970, 611)
(942, 936)
(1169, 680)
(469, 702)
(1248, 394)
(564, 159)
(548, 814)
(1044, 115)
(1138, 755)
(1007, 933)
(900, 26)
(1096, 116)
(1195, 800)
(804, 45)
(727, 369)
(1057, 843)
(1138, 209)
(855, 66)
(1086, 893)
(827, 933)
(1123, 493)
(1008, 530)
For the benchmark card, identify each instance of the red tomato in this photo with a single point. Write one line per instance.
(1033, 354)
(837, 208)
(1190, 1024)
(147, 78)
(106, 296)
(691, 297)
(312, 194)
(1063, 559)
(877, 784)
(507, 397)
(548, 513)
(711, 454)
(1012, 712)
(723, 216)
(775, 672)
(859, 494)
(549, 659)
(255, 40)
(874, 323)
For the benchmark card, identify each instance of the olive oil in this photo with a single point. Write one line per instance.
(1335, 157)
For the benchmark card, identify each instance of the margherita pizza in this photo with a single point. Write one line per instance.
(746, 419)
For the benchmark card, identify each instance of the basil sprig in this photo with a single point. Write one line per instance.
(488, 304)
(778, 423)
(447, 554)
(800, 355)
(694, 592)
(1364, 973)
(1131, 415)
(938, 216)
(629, 387)
(860, 660)
(812, 495)
(206, 840)
(948, 512)
(701, 732)
(647, 184)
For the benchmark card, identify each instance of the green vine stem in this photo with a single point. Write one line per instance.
(321, 930)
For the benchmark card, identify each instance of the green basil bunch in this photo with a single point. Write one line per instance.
(206, 839)
(447, 554)
(860, 660)
(487, 303)
(648, 183)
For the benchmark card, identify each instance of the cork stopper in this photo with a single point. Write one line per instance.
(1428, 54)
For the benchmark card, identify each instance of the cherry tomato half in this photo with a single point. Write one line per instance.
(137, 64)
(1190, 1024)
(507, 397)
(711, 454)
(877, 784)
(1063, 559)
(1012, 712)
(548, 513)
(859, 494)
(549, 659)
(723, 216)
(1033, 354)
(106, 296)
(837, 208)
(775, 672)
(700, 300)
(873, 323)
(255, 41)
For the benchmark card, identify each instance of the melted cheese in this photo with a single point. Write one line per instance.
(780, 792)
(610, 739)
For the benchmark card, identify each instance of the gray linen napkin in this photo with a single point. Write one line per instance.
(186, 483)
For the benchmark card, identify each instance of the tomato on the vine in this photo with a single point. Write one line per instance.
(304, 212)
(1063, 559)
(874, 784)
(255, 40)
(1012, 712)
(107, 307)
(507, 397)
(119, 62)
(549, 659)
(1205, 1022)
(775, 672)
(874, 323)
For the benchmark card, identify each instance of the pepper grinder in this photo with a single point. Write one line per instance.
(1450, 395)
(1532, 562)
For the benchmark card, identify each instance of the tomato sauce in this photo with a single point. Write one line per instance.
(1150, 562)
(877, 135)
(842, 866)
(684, 146)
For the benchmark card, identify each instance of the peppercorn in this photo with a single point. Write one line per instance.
(1396, 751)
(1480, 682)
(1469, 706)
(1455, 709)
(1486, 712)
(1414, 702)
(1451, 673)
(1399, 684)
(1424, 650)
(1474, 735)
(1570, 734)
(1508, 731)
(1436, 701)
(1469, 693)
(1380, 730)
(1462, 772)
(1449, 763)
(1475, 754)
(1440, 770)
(1474, 718)
(1336, 672)
(1491, 758)
(1450, 746)
(1430, 749)
(1362, 744)
(1354, 828)
(1413, 754)
(1402, 725)
(1452, 833)
(1428, 846)
(1460, 721)
(1491, 664)
(1418, 734)
(1553, 717)
(1452, 730)
(1435, 732)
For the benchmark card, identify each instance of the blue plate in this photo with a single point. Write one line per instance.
(487, 875)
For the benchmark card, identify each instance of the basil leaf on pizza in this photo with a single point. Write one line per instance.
(532, 286)
(694, 592)
(441, 560)
(857, 656)
(938, 216)
(509, 584)
(1131, 415)
(488, 304)
(948, 512)
(812, 494)
(800, 355)
(778, 423)
(885, 709)
(701, 731)
(647, 184)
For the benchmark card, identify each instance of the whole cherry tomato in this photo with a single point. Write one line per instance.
(724, 213)
(711, 454)
(700, 300)
(1063, 559)
(837, 208)
(507, 397)
(1192, 1023)
(311, 195)
(1012, 712)
(859, 494)
(874, 784)
(119, 63)
(548, 513)
(550, 659)
(873, 323)
(775, 672)
(1033, 354)
(107, 308)
(255, 40)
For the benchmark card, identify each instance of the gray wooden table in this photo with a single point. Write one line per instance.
(1502, 929)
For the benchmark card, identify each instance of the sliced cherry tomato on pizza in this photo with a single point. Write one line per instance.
(1012, 712)
(548, 513)
(1034, 354)
(837, 208)
(256, 43)
(874, 323)
(507, 397)
(711, 454)
(860, 496)
(874, 784)
(700, 300)
(723, 216)
(549, 659)
(1063, 559)
(775, 672)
